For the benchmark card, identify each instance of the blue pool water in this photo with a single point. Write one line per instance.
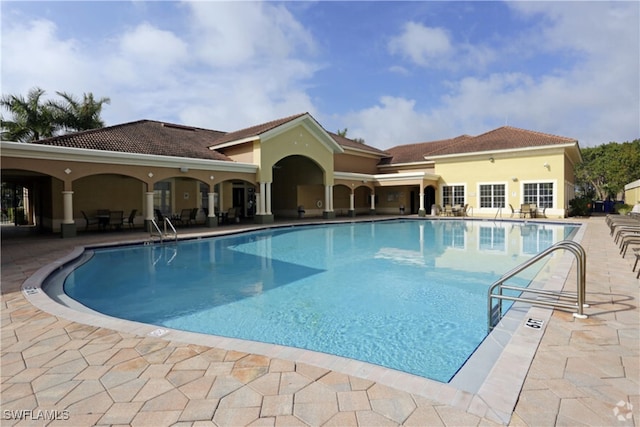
(409, 295)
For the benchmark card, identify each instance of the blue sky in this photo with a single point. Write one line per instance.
(390, 72)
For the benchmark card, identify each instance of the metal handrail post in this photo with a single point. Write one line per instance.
(581, 288)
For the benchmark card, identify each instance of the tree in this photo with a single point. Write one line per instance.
(343, 133)
(31, 118)
(76, 116)
(607, 168)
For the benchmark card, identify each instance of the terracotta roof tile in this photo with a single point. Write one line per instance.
(503, 138)
(254, 130)
(412, 153)
(350, 143)
(145, 137)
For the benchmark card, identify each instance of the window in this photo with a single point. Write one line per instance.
(492, 196)
(539, 193)
(453, 195)
(162, 197)
(492, 239)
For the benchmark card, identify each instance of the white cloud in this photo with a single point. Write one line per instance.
(592, 93)
(230, 34)
(33, 56)
(153, 47)
(425, 46)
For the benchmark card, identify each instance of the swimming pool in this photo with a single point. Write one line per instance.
(409, 295)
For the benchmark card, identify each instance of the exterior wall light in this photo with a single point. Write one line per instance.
(184, 169)
(491, 159)
(546, 165)
(514, 178)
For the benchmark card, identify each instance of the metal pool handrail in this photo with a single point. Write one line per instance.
(162, 233)
(494, 315)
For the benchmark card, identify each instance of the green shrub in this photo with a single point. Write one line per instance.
(623, 209)
(580, 206)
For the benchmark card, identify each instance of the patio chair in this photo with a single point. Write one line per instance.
(116, 219)
(514, 211)
(448, 210)
(89, 221)
(231, 215)
(193, 215)
(132, 216)
(185, 215)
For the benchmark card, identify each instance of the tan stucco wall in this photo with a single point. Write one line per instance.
(350, 162)
(632, 193)
(241, 153)
(295, 141)
(475, 171)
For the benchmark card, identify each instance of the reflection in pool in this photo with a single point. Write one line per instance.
(408, 294)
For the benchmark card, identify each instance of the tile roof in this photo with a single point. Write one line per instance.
(145, 137)
(411, 153)
(254, 130)
(350, 143)
(502, 138)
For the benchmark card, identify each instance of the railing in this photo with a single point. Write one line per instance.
(577, 300)
(162, 233)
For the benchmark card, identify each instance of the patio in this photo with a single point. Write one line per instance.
(585, 372)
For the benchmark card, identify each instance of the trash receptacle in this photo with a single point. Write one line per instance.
(401, 209)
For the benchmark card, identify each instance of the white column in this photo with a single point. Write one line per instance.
(148, 208)
(268, 197)
(331, 198)
(262, 204)
(373, 200)
(327, 198)
(421, 199)
(67, 207)
(221, 197)
(351, 202)
(211, 206)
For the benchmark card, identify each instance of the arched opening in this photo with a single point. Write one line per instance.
(25, 199)
(429, 198)
(297, 181)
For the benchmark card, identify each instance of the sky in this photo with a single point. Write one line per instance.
(390, 73)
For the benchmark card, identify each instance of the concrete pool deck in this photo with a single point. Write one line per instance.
(60, 364)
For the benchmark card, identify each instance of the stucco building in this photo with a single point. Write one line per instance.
(279, 168)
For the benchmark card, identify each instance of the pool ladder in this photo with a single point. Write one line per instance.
(552, 298)
(164, 231)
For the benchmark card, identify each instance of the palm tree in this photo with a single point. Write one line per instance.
(31, 119)
(77, 116)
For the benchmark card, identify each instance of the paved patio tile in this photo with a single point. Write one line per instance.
(585, 372)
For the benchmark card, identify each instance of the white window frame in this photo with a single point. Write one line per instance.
(554, 189)
(464, 191)
(494, 208)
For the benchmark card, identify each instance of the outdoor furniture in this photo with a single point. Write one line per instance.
(90, 221)
(231, 215)
(132, 216)
(525, 209)
(116, 219)
(514, 211)
(448, 210)
(103, 218)
(184, 218)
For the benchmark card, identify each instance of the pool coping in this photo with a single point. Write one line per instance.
(492, 396)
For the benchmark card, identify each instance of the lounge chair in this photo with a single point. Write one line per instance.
(89, 221)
